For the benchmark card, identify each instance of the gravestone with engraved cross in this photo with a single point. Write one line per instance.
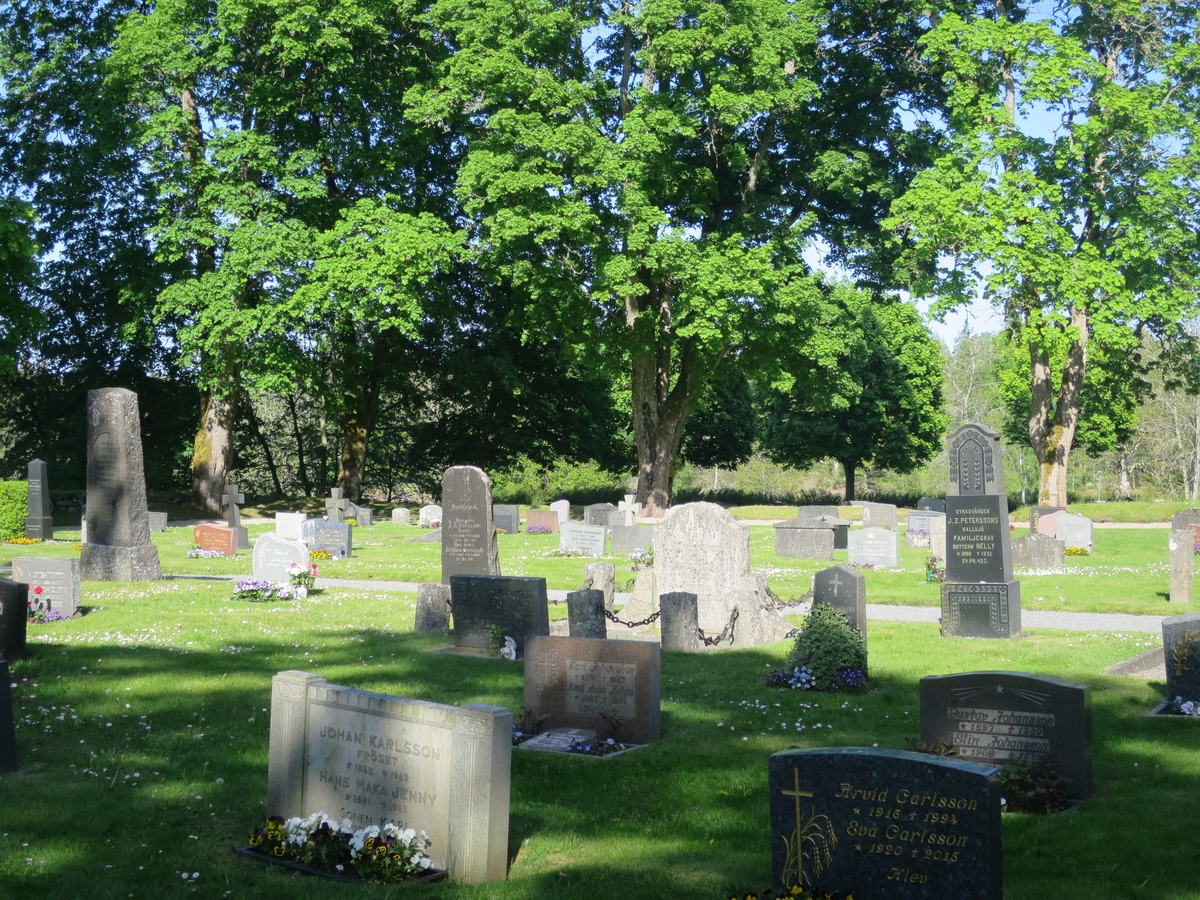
(335, 506)
(844, 588)
(231, 499)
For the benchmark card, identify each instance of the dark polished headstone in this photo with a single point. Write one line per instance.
(994, 717)
(507, 517)
(14, 617)
(981, 610)
(885, 823)
(8, 733)
(517, 606)
(1181, 653)
(39, 511)
(468, 535)
(931, 504)
(844, 588)
(334, 538)
(976, 466)
(978, 545)
(585, 614)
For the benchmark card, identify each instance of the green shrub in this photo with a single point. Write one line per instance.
(828, 646)
(13, 495)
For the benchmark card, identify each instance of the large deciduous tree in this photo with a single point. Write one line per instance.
(1068, 189)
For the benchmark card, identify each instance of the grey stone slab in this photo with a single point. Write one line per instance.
(976, 464)
(601, 577)
(597, 513)
(375, 758)
(541, 518)
(585, 614)
(1181, 652)
(923, 521)
(843, 588)
(1185, 519)
(158, 521)
(14, 617)
(273, 557)
(1038, 551)
(995, 717)
(978, 540)
(580, 538)
(679, 621)
(562, 509)
(931, 503)
(1074, 531)
(1182, 557)
(506, 517)
(517, 606)
(433, 609)
(334, 538)
(803, 543)
(611, 687)
(118, 546)
(839, 527)
(233, 496)
(363, 516)
(401, 515)
(885, 823)
(627, 538)
(981, 610)
(429, 515)
(621, 518)
(39, 511)
(290, 525)
(878, 547)
(468, 534)
(879, 515)
(58, 579)
(818, 512)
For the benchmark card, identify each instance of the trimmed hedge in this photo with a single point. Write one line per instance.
(13, 495)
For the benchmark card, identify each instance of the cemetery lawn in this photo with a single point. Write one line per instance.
(144, 728)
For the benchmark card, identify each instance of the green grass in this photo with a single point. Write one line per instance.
(144, 728)
(1144, 511)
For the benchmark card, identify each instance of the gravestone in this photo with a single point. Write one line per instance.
(58, 580)
(885, 823)
(334, 538)
(877, 547)
(627, 538)
(1187, 519)
(401, 515)
(39, 511)
(700, 548)
(1074, 531)
(8, 733)
(1038, 551)
(468, 535)
(931, 504)
(843, 588)
(273, 556)
(560, 740)
(980, 544)
(507, 517)
(335, 505)
(562, 509)
(601, 577)
(818, 512)
(916, 539)
(363, 516)
(879, 515)
(290, 525)
(542, 518)
(1035, 516)
(611, 687)
(517, 606)
(430, 515)
(923, 521)
(585, 615)
(215, 537)
(231, 499)
(937, 537)
(158, 522)
(1181, 653)
(621, 518)
(433, 609)
(679, 615)
(118, 546)
(576, 536)
(800, 542)
(1182, 555)
(14, 617)
(839, 527)
(995, 717)
(373, 758)
(432, 537)
(597, 513)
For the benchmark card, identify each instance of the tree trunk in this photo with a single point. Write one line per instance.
(212, 453)
(849, 466)
(305, 481)
(1124, 481)
(659, 414)
(268, 456)
(1052, 425)
(356, 434)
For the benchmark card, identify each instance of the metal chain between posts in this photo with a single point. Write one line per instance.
(726, 632)
(647, 621)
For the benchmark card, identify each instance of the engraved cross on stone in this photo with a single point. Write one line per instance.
(797, 793)
(233, 497)
(335, 506)
(836, 581)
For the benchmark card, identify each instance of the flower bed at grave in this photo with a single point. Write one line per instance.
(200, 553)
(1181, 707)
(642, 555)
(1077, 551)
(37, 613)
(793, 893)
(319, 554)
(22, 540)
(258, 590)
(538, 529)
(935, 570)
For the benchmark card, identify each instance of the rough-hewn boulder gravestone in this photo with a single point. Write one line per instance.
(1038, 551)
(878, 547)
(517, 606)
(334, 538)
(118, 546)
(601, 577)
(931, 504)
(232, 498)
(506, 517)
(627, 538)
(611, 687)
(679, 622)
(885, 823)
(14, 616)
(585, 615)
(335, 506)
(843, 588)
(39, 511)
(994, 717)
(1074, 531)
(1181, 652)
(700, 548)
(979, 596)
(1182, 554)
(290, 526)
(801, 542)
(879, 515)
(597, 513)
(1037, 513)
(562, 509)
(542, 518)
(215, 537)
(468, 535)
(58, 579)
(363, 516)
(401, 516)
(273, 557)
(429, 515)
(433, 609)
(576, 536)
(158, 521)
(373, 758)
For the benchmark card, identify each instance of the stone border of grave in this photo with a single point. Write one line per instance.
(629, 748)
(1161, 712)
(250, 853)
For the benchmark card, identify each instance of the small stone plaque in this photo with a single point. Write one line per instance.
(597, 513)
(843, 588)
(609, 686)
(931, 504)
(993, 717)
(559, 740)
(627, 538)
(874, 547)
(798, 542)
(542, 518)
(879, 515)
(1182, 552)
(158, 522)
(576, 536)
(1074, 531)
(517, 606)
(373, 758)
(273, 557)
(401, 515)
(1181, 652)
(334, 538)
(429, 516)
(289, 526)
(562, 509)
(885, 823)
(216, 537)
(58, 580)
(981, 610)
(1038, 551)
(977, 539)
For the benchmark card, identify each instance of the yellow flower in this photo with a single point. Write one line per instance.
(279, 850)
(255, 839)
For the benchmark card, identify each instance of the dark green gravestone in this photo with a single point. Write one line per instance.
(39, 521)
(8, 733)
(885, 824)
(14, 617)
(517, 606)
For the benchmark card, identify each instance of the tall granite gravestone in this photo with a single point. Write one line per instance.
(562, 509)
(994, 717)
(401, 515)
(373, 759)
(8, 733)
(273, 557)
(429, 515)
(585, 615)
(1181, 653)
(979, 596)
(1038, 551)
(931, 504)
(334, 538)
(118, 546)
(468, 535)
(433, 609)
(611, 687)
(878, 547)
(14, 618)
(885, 823)
(802, 542)
(290, 526)
(597, 513)
(39, 518)
(335, 505)
(843, 588)
(232, 498)
(580, 538)
(518, 607)
(601, 577)
(1182, 554)
(58, 580)
(879, 515)
(542, 518)
(700, 548)
(507, 517)
(627, 538)
(1074, 531)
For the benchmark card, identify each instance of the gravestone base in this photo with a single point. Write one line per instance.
(981, 610)
(99, 562)
(243, 538)
(41, 528)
